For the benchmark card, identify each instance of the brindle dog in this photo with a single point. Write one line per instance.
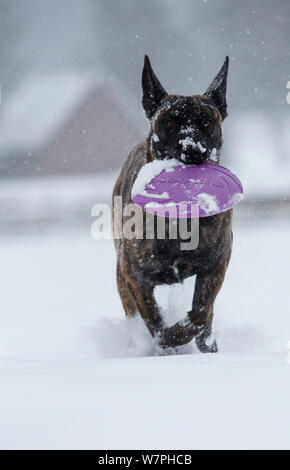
(144, 264)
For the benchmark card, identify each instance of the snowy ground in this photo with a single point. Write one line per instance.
(75, 374)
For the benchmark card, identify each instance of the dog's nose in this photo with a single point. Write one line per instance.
(191, 143)
(191, 149)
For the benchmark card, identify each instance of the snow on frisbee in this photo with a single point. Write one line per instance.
(172, 189)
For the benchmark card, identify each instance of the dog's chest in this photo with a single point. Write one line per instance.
(165, 262)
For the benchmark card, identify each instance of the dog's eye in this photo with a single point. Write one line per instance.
(170, 123)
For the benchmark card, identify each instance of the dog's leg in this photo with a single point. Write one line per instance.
(147, 306)
(127, 299)
(202, 310)
(199, 320)
(200, 341)
(206, 289)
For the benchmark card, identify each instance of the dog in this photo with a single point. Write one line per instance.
(143, 264)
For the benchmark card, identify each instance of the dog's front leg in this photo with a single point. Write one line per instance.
(198, 321)
(207, 287)
(147, 306)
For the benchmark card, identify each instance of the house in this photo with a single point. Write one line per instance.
(68, 125)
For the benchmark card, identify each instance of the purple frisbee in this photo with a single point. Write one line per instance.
(170, 188)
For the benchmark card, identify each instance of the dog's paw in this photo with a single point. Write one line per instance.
(202, 343)
(177, 335)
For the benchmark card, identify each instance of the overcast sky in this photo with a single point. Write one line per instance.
(186, 40)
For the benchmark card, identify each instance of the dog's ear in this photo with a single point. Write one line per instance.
(153, 91)
(218, 89)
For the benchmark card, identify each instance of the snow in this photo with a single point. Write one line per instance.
(76, 374)
(214, 155)
(163, 195)
(149, 171)
(207, 203)
(54, 198)
(189, 142)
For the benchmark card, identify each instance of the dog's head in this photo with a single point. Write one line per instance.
(187, 128)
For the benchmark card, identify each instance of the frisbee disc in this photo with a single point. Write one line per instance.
(175, 190)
